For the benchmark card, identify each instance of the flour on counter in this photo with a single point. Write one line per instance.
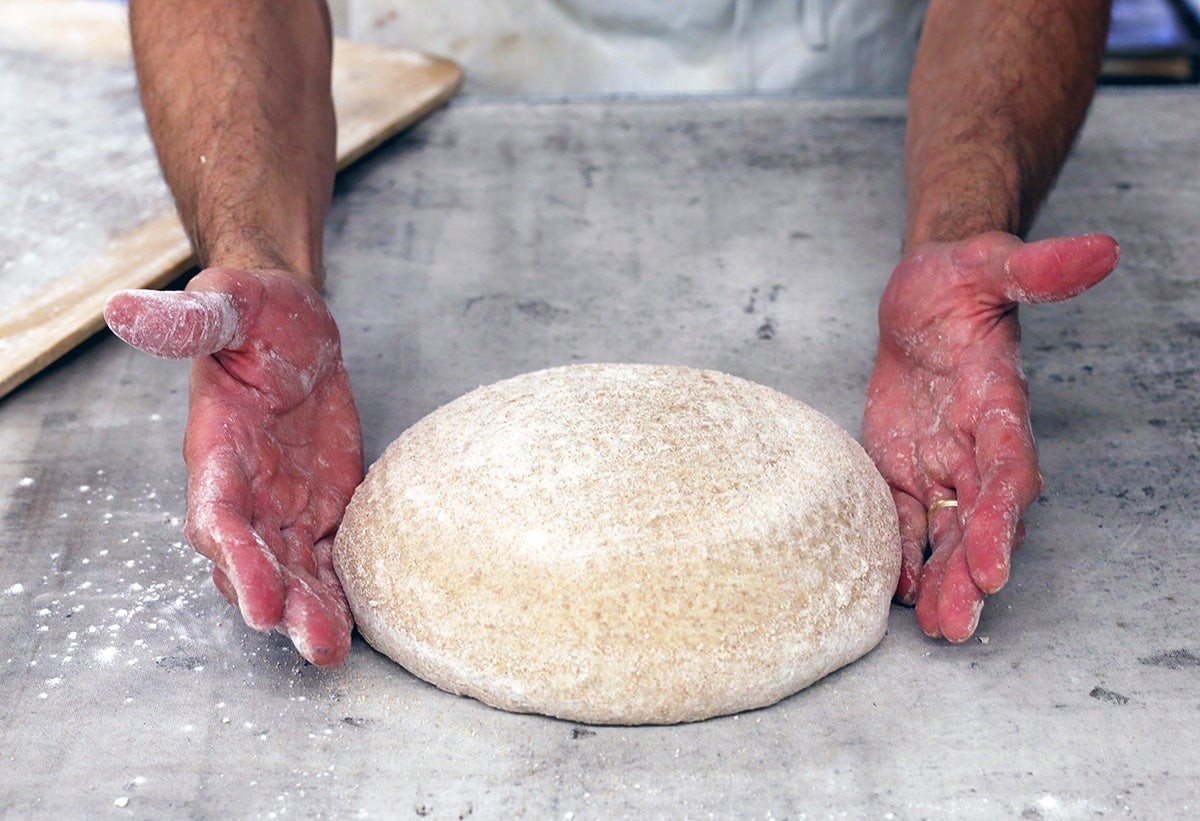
(108, 601)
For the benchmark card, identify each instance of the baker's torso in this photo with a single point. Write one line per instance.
(655, 46)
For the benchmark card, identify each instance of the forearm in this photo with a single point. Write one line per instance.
(998, 94)
(237, 97)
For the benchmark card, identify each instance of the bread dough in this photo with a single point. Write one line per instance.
(622, 544)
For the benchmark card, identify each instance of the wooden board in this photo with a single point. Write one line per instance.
(86, 213)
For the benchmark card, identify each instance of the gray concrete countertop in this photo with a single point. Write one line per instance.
(751, 236)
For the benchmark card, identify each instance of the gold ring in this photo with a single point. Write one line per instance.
(937, 505)
(941, 503)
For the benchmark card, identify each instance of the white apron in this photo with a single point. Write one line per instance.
(655, 46)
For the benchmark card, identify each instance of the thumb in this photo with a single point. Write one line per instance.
(175, 324)
(1052, 270)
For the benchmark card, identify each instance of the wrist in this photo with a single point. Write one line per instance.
(250, 248)
(960, 200)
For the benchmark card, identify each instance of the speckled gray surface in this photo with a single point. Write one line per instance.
(748, 236)
(76, 165)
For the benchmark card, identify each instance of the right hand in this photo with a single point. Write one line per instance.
(273, 445)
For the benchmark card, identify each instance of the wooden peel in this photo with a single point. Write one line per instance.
(377, 93)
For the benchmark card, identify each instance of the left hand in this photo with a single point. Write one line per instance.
(947, 411)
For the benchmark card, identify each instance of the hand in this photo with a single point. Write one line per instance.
(273, 445)
(947, 411)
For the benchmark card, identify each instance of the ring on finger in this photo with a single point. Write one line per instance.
(938, 505)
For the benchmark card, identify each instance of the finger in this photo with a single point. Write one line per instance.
(224, 586)
(217, 527)
(927, 595)
(253, 576)
(1007, 459)
(943, 521)
(960, 601)
(988, 543)
(944, 536)
(297, 552)
(326, 571)
(912, 545)
(317, 619)
(1052, 270)
(174, 324)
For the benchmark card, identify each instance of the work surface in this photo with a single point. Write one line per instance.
(750, 236)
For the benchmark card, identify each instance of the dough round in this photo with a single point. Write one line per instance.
(622, 544)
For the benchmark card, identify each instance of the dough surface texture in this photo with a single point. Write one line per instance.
(622, 544)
